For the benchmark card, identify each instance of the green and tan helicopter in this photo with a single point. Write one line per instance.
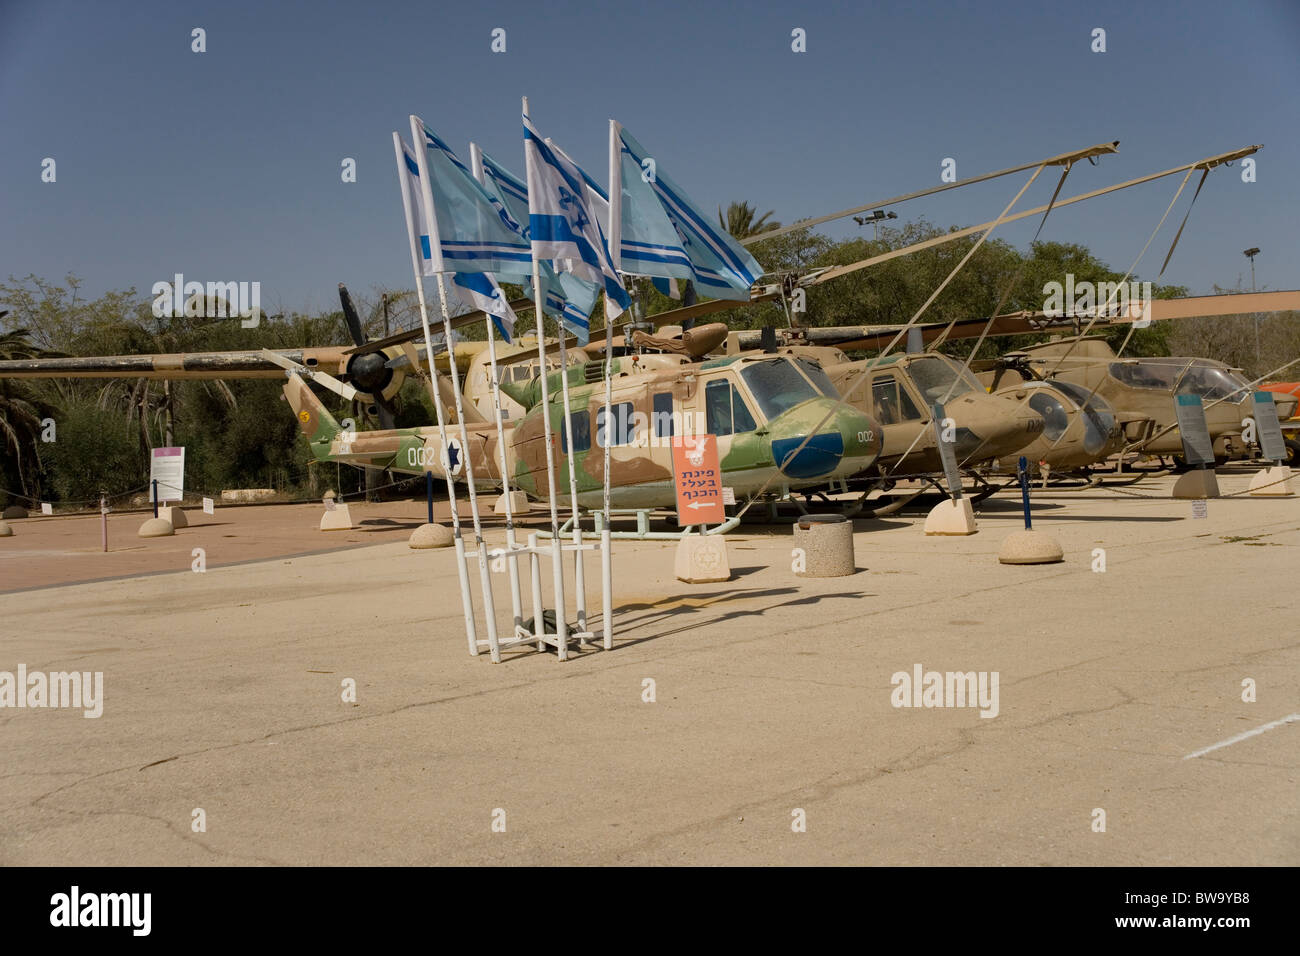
(761, 408)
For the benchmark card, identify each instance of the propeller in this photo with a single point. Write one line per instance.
(368, 370)
(329, 381)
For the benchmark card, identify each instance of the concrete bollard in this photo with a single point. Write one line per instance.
(1030, 547)
(951, 518)
(431, 536)
(5, 530)
(827, 545)
(1272, 482)
(174, 515)
(518, 504)
(155, 528)
(1197, 483)
(337, 517)
(702, 559)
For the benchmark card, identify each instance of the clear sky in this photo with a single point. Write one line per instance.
(225, 165)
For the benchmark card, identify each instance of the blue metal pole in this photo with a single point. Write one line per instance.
(428, 492)
(155, 497)
(1024, 490)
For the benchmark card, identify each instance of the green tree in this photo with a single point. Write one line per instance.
(20, 419)
(740, 222)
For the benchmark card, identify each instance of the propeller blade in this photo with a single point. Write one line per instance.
(350, 317)
(412, 357)
(329, 381)
(387, 413)
(457, 322)
(334, 385)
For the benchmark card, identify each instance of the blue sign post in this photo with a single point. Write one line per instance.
(1023, 472)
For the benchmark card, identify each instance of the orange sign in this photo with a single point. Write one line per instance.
(699, 480)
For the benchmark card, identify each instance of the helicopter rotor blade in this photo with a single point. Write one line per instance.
(1099, 150)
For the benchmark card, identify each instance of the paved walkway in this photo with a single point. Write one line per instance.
(222, 691)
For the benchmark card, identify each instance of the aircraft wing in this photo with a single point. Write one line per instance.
(178, 366)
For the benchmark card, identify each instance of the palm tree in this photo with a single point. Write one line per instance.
(740, 222)
(20, 417)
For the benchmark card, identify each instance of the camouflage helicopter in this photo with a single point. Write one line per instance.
(761, 408)
(1143, 391)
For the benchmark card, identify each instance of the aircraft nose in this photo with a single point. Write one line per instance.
(819, 454)
(847, 434)
(1014, 431)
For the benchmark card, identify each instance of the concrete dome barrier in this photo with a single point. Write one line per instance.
(156, 528)
(827, 545)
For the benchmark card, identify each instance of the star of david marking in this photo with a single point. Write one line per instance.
(568, 199)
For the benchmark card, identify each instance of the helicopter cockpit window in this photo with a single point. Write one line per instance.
(1055, 418)
(777, 386)
(663, 414)
(891, 403)
(623, 428)
(725, 410)
(1149, 373)
(580, 429)
(818, 377)
(1213, 383)
(941, 379)
(1097, 415)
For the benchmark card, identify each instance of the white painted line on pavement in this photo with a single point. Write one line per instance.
(1248, 734)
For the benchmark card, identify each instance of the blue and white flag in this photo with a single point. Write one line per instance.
(562, 225)
(417, 227)
(565, 296)
(479, 290)
(467, 232)
(664, 234)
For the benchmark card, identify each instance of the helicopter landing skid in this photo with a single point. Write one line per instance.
(643, 532)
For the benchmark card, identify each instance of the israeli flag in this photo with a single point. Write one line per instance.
(417, 226)
(566, 298)
(562, 226)
(664, 234)
(467, 232)
(479, 290)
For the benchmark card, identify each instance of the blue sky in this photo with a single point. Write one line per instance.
(226, 165)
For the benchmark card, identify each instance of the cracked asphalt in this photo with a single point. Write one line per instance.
(223, 691)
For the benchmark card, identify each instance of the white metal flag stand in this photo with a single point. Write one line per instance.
(561, 637)
(489, 608)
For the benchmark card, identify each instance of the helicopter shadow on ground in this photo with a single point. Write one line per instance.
(387, 524)
(784, 527)
(1054, 509)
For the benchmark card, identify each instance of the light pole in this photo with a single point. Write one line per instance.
(875, 219)
(1250, 254)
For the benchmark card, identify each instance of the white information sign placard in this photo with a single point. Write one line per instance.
(167, 467)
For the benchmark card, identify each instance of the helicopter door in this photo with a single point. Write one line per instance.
(891, 402)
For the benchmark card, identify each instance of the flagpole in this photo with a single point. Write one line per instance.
(580, 595)
(489, 608)
(580, 589)
(467, 600)
(615, 256)
(557, 566)
(476, 167)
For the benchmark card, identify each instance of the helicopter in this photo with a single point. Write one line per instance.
(1143, 388)
(763, 410)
